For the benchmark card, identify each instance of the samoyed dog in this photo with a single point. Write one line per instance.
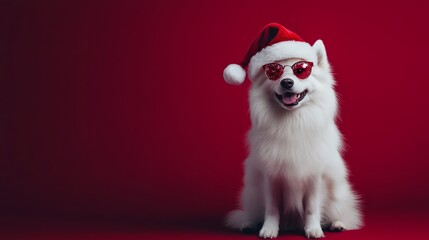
(295, 177)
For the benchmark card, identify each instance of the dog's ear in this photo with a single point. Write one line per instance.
(322, 58)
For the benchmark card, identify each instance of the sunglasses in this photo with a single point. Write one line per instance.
(301, 69)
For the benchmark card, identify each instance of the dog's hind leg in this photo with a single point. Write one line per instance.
(342, 206)
(251, 212)
(343, 210)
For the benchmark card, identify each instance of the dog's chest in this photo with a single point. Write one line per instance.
(291, 154)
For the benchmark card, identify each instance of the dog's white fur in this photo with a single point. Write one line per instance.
(295, 177)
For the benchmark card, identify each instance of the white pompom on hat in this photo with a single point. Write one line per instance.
(274, 43)
(234, 74)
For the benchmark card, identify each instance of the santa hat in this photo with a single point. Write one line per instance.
(274, 43)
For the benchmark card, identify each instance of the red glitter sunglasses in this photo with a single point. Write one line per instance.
(301, 69)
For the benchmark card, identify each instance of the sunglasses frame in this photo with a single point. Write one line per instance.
(291, 66)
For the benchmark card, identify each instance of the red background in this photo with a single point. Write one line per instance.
(118, 110)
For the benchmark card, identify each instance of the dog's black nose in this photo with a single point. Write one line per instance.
(286, 83)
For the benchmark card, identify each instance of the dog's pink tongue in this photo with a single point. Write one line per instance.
(290, 99)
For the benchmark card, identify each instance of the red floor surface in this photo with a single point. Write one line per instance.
(387, 225)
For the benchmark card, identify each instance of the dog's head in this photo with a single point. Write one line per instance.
(293, 82)
(297, 84)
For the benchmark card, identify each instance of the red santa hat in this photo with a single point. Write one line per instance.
(274, 43)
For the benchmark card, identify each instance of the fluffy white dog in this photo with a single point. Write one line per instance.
(295, 177)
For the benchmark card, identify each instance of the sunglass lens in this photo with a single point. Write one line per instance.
(302, 69)
(273, 71)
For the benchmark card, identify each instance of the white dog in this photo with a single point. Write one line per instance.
(295, 177)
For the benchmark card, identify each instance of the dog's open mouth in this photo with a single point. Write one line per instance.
(291, 98)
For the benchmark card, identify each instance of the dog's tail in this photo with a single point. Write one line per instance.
(236, 219)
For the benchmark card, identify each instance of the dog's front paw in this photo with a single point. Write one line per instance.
(314, 232)
(269, 232)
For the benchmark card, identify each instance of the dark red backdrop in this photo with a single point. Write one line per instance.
(119, 109)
